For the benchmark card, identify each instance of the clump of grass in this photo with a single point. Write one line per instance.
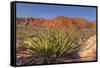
(52, 45)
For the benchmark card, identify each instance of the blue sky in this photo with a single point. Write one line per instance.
(24, 10)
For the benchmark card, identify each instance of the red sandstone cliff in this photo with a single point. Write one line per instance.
(58, 22)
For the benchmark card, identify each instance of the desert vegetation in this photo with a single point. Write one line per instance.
(41, 41)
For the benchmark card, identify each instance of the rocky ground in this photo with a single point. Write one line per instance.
(89, 54)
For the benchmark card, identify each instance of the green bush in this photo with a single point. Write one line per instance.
(52, 45)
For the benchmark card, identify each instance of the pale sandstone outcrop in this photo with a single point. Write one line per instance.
(90, 53)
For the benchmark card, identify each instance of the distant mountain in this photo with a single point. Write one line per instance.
(58, 22)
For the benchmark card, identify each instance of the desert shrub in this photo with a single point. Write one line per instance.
(52, 45)
(85, 34)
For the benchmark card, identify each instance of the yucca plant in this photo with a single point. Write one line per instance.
(52, 45)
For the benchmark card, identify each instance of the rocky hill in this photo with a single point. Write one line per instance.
(58, 22)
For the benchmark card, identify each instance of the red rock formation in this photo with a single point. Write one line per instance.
(59, 22)
(23, 54)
